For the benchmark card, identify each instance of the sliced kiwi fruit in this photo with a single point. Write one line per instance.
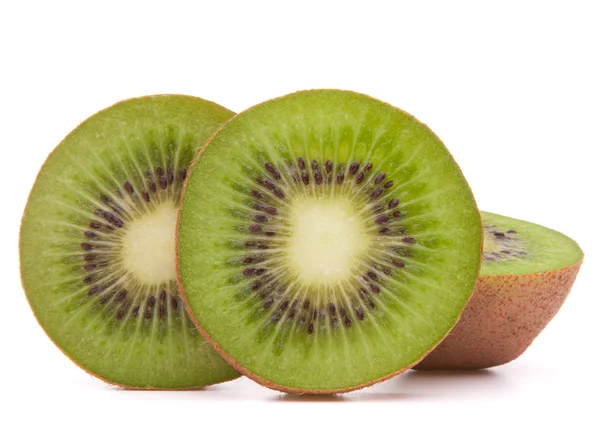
(527, 272)
(326, 241)
(97, 244)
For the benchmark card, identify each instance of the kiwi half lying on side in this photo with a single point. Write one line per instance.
(528, 271)
(97, 244)
(326, 241)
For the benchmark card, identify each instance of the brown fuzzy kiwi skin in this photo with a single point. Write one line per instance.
(235, 364)
(505, 314)
(112, 383)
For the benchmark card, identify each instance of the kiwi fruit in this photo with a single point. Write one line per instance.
(97, 244)
(527, 272)
(326, 241)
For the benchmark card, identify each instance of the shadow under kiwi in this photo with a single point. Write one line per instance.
(418, 385)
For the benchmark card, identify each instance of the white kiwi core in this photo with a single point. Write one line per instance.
(148, 247)
(328, 240)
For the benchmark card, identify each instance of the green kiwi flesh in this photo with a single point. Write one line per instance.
(326, 241)
(514, 246)
(97, 244)
(527, 273)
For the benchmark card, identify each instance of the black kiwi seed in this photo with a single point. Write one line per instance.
(163, 182)
(261, 218)
(128, 187)
(304, 177)
(318, 177)
(359, 178)
(255, 228)
(359, 314)
(105, 298)
(381, 219)
(353, 168)
(271, 169)
(347, 322)
(379, 178)
(113, 219)
(331, 309)
(328, 166)
(377, 193)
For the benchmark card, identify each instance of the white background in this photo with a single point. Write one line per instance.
(512, 88)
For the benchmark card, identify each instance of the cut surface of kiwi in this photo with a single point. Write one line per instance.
(97, 244)
(527, 272)
(326, 241)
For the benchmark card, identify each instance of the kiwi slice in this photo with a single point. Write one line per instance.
(97, 244)
(528, 271)
(326, 241)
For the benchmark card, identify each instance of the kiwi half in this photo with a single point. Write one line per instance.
(326, 241)
(97, 244)
(528, 271)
